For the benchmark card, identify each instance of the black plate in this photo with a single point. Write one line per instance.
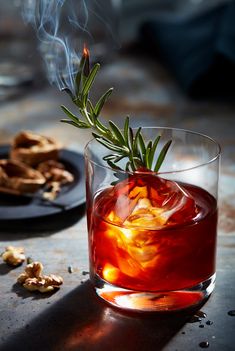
(20, 208)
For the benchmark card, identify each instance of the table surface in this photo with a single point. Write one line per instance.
(73, 318)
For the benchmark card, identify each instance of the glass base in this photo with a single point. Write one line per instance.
(154, 301)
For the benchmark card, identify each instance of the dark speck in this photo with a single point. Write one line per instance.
(204, 344)
(209, 322)
(85, 272)
(70, 269)
(182, 332)
(201, 326)
(29, 260)
(231, 313)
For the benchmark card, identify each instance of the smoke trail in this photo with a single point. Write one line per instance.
(58, 45)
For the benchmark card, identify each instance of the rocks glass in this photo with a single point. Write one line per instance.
(152, 236)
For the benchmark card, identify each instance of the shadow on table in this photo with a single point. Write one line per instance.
(81, 321)
(5, 269)
(40, 226)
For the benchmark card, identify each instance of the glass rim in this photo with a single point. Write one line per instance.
(213, 141)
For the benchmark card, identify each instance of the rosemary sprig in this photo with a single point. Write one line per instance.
(123, 144)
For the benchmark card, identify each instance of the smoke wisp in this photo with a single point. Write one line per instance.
(62, 29)
(56, 23)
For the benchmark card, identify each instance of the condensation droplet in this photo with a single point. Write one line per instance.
(231, 313)
(204, 344)
(209, 322)
(195, 319)
(201, 314)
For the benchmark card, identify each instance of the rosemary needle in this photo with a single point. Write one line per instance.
(122, 144)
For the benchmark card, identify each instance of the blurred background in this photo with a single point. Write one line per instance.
(171, 62)
(192, 39)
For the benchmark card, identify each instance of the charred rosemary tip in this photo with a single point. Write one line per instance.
(125, 143)
(86, 65)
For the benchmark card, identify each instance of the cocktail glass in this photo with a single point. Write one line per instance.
(152, 236)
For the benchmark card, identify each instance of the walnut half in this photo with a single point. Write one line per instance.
(32, 279)
(14, 256)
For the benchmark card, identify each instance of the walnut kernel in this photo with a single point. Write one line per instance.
(32, 279)
(32, 270)
(14, 256)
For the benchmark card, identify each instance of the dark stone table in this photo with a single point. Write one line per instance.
(74, 318)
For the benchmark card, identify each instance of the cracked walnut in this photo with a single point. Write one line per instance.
(32, 279)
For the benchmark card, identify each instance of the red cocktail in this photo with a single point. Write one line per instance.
(152, 242)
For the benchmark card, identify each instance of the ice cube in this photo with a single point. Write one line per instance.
(151, 202)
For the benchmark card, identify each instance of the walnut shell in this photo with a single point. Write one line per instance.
(17, 178)
(31, 148)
